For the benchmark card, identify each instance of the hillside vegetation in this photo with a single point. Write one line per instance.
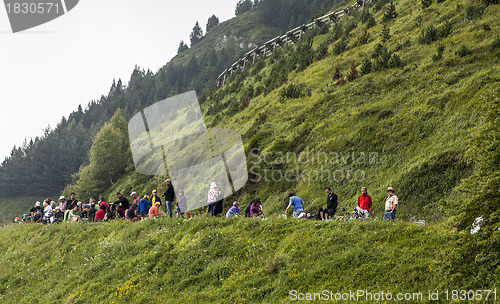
(404, 94)
(220, 261)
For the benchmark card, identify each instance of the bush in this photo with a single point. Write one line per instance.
(366, 68)
(463, 51)
(473, 12)
(425, 3)
(363, 38)
(367, 18)
(340, 46)
(390, 12)
(496, 43)
(293, 91)
(395, 61)
(488, 2)
(353, 74)
(439, 54)
(446, 29)
(385, 34)
(428, 35)
(245, 102)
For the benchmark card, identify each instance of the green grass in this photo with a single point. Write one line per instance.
(218, 261)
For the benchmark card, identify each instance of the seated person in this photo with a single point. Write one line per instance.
(233, 211)
(364, 204)
(181, 206)
(153, 211)
(130, 213)
(99, 215)
(144, 206)
(256, 209)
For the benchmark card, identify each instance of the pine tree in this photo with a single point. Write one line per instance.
(337, 74)
(386, 34)
(243, 6)
(196, 34)
(390, 12)
(354, 72)
(182, 47)
(212, 22)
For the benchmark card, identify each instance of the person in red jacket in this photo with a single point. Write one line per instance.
(364, 203)
(99, 215)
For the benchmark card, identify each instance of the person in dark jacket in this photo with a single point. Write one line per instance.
(331, 205)
(72, 202)
(122, 200)
(169, 195)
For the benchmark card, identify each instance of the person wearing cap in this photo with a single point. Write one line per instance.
(135, 197)
(233, 211)
(331, 205)
(391, 205)
(297, 203)
(143, 206)
(212, 197)
(181, 205)
(169, 195)
(153, 211)
(364, 203)
(71, 203)
(63, 205)
(154, 198)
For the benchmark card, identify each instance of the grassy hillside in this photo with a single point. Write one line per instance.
(405, 124)
(220, 261)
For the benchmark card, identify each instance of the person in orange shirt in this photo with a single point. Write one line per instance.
(153, 211)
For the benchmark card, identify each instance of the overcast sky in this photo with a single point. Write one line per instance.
(47, 71)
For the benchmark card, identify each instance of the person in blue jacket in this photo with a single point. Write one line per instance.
(143, 206)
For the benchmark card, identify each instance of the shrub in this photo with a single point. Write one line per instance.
(366, 68)
(496, 43)
(353, 74)
(428, 35)
(395, 61)
(363, 38)
(337, 74)
(425, 3)
(367, 18)
(385, 34)
(488, 2)
(439, 53)
(293, 91)
(440, 1)
(380, 4)
(473, 12)
(446, 29)
(245, 102)
(390, 12)
(463, 51)
(340, 46)
(341, 81)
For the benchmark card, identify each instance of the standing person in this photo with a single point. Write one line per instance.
(233, 211)
(169, 195)
(63, 204)
(212, 197)
(391, 205)
(154, 199)
(181, 206)
(331, 205)
(217, 208)
(249, 206)
(47, 211)
(135, 198)
(144, 206)
(71, 203)
(364, 203)
(296, 203)
(256, 209)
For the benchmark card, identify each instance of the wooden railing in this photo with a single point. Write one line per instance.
(290, 37)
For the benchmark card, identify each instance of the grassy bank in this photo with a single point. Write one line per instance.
(220, 261)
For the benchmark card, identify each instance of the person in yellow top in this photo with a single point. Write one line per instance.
(391, 205)
(154, 198)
